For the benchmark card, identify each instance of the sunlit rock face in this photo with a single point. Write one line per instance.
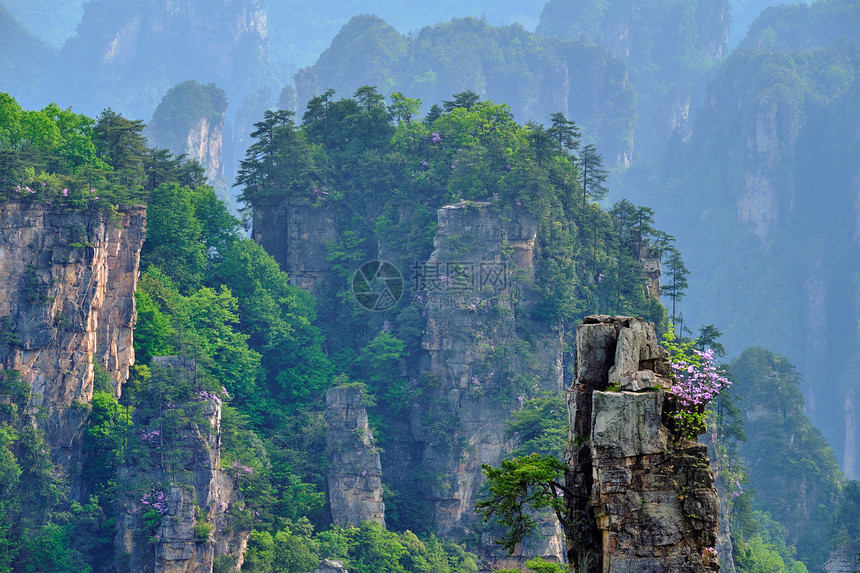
(67, 298)
(643, 498)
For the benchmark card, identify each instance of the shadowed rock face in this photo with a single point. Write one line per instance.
(479, 345)
(296, 235)
(646, 500)
(354, 470)
(843, 560)
(67, 283)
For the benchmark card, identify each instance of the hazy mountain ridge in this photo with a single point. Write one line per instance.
(771, 181)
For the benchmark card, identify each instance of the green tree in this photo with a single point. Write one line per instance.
(465, 99)
(564, 132)
(403, 108)
(677, 272)
(280, 163)
(785, 452)
(175, 236)
(119, 143)
(278, 318)
(709, 337)
(593, 174)
(529, 482)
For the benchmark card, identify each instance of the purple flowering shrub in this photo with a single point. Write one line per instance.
(239, 470)
(154, 507)
(697, 381)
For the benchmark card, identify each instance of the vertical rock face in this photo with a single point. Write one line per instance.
(483, 355)
(203, 143)
(138, 51)
(843, 560)
(646, 500)
(354, 470)
(67, 301)
(296, 235)
(652, 264)
(724, 537)
(207, 495)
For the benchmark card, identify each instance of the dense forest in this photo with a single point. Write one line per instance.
(209, 294)
(366, 122)
(769, 178)
(206, 292)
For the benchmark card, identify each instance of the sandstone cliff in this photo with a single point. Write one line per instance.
(296, 235)
(483, 355)
(354, 470)
(202, 515)
(645, 499)
(67, 302)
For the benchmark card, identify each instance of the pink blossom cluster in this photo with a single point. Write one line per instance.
(710, 552)
(436, 138)
(205, 395)
(149, 438)
(157, 501)
(697, 385)
(240, 470)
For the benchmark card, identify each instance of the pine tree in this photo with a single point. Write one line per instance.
(678, 272)
(593, 174)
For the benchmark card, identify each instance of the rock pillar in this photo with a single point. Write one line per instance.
(645, 499)
(354, 469)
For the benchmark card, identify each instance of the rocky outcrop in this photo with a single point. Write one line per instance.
(722, 483)
(330, 566)
(644, 497)
(203, 143)
(652, 265)
(67, 302)
(202, 512)
(483, 356)
(843, 560)
(354, 470)
(296, 235)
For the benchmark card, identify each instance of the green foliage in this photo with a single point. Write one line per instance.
(369, 548)
(180, 111)
(528, 482)
(203, 531)
(540, 427)
(537, 565)
(75, 162)
(278, 318)
(784, 451)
